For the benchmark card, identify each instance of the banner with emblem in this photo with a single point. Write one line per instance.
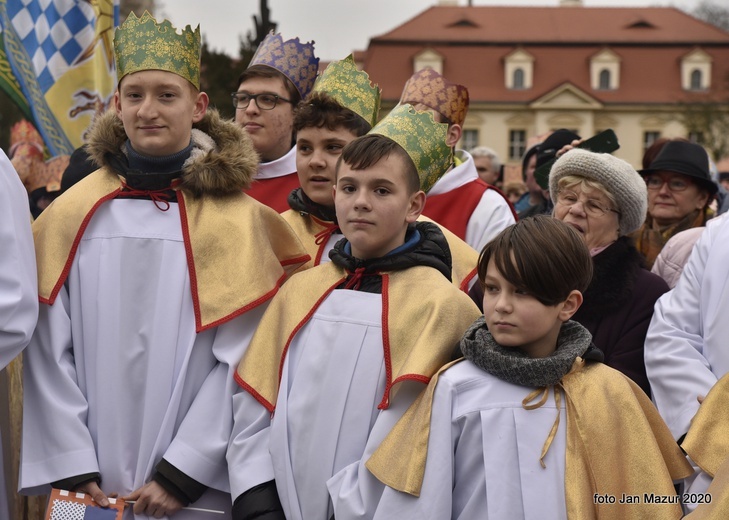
(60, 54)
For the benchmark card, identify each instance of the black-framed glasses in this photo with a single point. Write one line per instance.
(591, 207)
(264, 101)
(656, 182)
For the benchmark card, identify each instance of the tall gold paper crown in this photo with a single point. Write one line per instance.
(422, 138)
(351, 88)
(293, 59)
(434, 91)
(144, 44)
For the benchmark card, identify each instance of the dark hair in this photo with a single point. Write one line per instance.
(264, 71)
(321, 110)
(542, 256)
(368, 150)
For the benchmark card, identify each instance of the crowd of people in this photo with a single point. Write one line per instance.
(311, 313)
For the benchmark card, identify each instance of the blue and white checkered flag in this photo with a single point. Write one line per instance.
(61, 53)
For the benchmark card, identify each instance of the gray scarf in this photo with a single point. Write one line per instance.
(514, 366)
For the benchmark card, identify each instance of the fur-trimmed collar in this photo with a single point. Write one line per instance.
(614, 272)
(223, 160)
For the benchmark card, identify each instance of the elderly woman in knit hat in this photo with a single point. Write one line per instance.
(605, 200)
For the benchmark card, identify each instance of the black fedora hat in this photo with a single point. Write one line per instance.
(684, 158)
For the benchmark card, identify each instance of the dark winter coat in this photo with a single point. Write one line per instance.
(618, 307)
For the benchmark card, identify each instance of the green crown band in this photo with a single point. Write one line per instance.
(422, 138)
(351, 88)
(144, 44)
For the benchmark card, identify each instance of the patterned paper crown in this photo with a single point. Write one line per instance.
(422, 138)
(351, 88)
(293, 59)
(144, 44)
(434, 91)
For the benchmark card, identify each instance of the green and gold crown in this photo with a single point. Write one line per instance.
(144, 44)
(351, 88)
(422, 138)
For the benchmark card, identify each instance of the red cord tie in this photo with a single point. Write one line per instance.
(356, 280)
(323, 235)
(161, 198)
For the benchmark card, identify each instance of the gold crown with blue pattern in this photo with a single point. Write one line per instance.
(422, 138)
(145, 44)
(293, 59)
(351, 88)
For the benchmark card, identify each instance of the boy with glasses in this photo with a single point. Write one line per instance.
(281, 74)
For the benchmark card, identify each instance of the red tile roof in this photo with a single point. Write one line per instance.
(562, 41)
(556, 25)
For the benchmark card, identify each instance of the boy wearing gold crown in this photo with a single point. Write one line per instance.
(280, 74)
(460, 200)
(352, 336)
(153, 273)
(342, 106)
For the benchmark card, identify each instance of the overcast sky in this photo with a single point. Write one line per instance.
(337, 26)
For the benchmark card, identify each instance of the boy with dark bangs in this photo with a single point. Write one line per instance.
(530, 424)
(342, 106)
(351, 337)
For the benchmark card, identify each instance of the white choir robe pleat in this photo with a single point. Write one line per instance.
(483, 458)
(116, 378)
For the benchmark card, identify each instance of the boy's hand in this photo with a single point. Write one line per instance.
(94, 491)
(152, 499)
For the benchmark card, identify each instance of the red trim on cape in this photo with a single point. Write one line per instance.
(412, 377)
(298, 260)
(74, 247)
(258, 397)
(255, 303)
(199, 327)
(385, 403)
(320, 251)
(190, 260)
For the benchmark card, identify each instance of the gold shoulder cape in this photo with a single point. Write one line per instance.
(423, 318)
(312, 233)
(707, 440)
(601, 404)
(465, 258)
(239, 252)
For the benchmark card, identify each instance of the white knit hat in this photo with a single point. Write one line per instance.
(617, 177)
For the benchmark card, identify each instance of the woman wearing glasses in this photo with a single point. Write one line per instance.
(680, 190)
(605, 200)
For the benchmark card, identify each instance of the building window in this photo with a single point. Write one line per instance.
(519, 78)
(604, 80)
(696, 83)
(605, 70)
(469, 139)
(649, 138)
(517, 144)
(696, 69)
(519, 70)
(428, 58)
